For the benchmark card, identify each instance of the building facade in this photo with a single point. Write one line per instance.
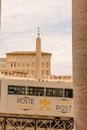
(2, 63)
(33, 64)
(24, 63)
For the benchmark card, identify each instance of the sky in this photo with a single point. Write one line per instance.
(19, 27)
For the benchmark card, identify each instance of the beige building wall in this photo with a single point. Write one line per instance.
(80, 62)
(42, 105)
(2, 64)
(23, 64)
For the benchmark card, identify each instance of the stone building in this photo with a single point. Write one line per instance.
(2, 63)
(33, 64)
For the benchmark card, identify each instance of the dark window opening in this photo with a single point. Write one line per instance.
(35, 91)
(68, 93)
(54, 92)
(18, 90)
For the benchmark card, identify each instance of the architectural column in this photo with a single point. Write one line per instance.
(79, 44)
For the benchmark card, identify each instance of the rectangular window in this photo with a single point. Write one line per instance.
(32, 64)
(27, 65)
(47, 64)
(54, 92)
(17, 90)
(42, 72)
(68, 93)
(32, 72)
(35, 91)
